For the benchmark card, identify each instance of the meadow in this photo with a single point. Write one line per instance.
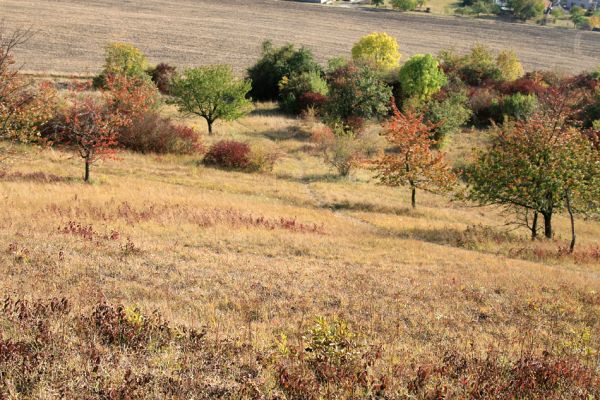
(227, 246)
(246, 258)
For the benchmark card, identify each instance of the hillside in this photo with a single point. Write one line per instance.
(191, 32)
(246, 258)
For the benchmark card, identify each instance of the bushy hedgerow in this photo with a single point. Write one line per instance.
(152, 133)
(276, 63)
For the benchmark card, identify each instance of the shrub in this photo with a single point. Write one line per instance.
(479, 66)
(153, 134)
(421, 77)
(523, 85)
(122, 59)
(404, 5)
(485, 106)
(447, 115)
(274, 64)
(343, 149)
(162, 75)
(519, 106)
(263, 156)
(311, 100)
(293, 88)
(356, 91)
(228, 154)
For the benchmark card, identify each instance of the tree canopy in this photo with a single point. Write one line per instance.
(212, 93)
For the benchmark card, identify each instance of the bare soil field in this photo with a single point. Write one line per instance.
(71, 34)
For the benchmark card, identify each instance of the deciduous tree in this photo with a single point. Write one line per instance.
(413, 162)
(509, 65)
(421, 77)
(91, 125)
(211, 93)
(543, 164)
(378, 49)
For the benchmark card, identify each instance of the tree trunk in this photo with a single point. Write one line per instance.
(534, 224)
(413, 197)
(573, 238)
(210, 129)
(86, 176)
(548, 224)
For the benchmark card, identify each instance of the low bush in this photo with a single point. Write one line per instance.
(228, 154)
(311, 100)
(519, 106)
(484, 103)
(162, 75)
(263, 156)
(292, 88)
(524, 85)
(153, 134)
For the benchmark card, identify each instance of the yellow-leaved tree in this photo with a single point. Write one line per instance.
(509, 65)
(378, 49)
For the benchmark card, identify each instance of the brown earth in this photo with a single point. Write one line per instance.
(71, 33)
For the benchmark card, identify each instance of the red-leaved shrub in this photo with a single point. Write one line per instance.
(524, 86)
(311, 100)
(153, 134)
(228, 154)
(162, 75)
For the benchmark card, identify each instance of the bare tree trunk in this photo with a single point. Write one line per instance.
(573, 237)
(534, 225)
(548, 232)
(413, 197)
(86, 176)
(210, 128)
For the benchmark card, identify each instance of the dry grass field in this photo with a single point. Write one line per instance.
(249, 257)
(72, 33)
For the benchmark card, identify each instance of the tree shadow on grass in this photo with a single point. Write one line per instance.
(290, 133)
(37, 177)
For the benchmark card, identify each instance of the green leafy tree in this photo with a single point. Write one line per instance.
(378, 3)
(543, 165)
(421, 77)
(356, 93)
(404, 5)
(527, 9)
(274, 64)
(212, 93)
(379, 49)
(122, 59)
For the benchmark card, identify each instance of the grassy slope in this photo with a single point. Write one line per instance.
(379, 264)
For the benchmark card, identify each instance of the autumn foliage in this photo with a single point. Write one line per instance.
(413, 163)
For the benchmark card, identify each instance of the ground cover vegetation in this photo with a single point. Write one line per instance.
(278, 256)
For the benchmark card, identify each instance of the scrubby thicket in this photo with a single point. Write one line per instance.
(375, 114)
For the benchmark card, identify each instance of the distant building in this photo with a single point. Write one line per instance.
(587, 4)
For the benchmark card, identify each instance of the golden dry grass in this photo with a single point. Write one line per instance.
(72, 33)
(186, 248)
